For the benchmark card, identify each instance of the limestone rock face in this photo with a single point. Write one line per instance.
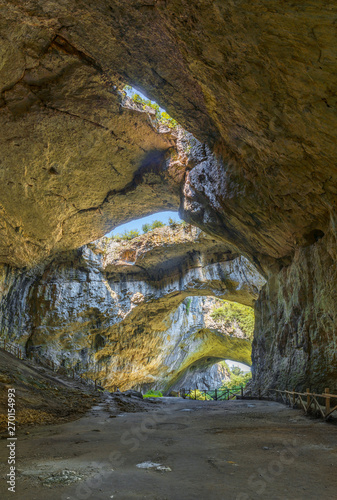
(296, 317)
(252, 81)
(119, 319)
(208, 374)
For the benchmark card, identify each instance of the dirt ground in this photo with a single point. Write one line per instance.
(41, 395)
(186, 450)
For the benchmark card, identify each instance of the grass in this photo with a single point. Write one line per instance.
(153, 394)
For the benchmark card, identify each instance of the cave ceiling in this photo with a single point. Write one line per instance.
(255, 83)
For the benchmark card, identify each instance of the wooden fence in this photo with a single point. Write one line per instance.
(12, 348)
(214, 395)
(310, 402)
(321, 404)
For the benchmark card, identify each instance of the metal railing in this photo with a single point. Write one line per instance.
(212, 395)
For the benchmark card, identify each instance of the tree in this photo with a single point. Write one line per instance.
(129, 235)
(236, 370)
(156, 224)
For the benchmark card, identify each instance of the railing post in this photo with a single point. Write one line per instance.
(308, 399)
(241, 391)
(293, 397)
(327, 401)
(195, 394)
(216, 395)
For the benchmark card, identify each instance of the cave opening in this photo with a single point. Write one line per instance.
(205, 335)
(143, 225)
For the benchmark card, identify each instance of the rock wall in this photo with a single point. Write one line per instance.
(295, 343)
(208, 374)
(131, 314)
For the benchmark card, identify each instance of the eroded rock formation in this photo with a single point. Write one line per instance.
(253, 82)
(130, 313)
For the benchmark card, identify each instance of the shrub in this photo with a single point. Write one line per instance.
(199, 395)
(115, 237)
(150, 227)
(157, 223)
(153, 394)
(172, 222)
(129, 235)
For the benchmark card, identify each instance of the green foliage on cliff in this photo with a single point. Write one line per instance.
(160, 114)
(150, 227)
(231, 312)
(133, 233)
(188, 305)
(129, 235)
(238, 378)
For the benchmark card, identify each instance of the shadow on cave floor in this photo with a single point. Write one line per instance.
(188, 450)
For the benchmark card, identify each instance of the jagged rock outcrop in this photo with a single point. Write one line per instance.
(125, 313)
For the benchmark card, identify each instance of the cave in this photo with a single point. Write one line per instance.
(223, 112)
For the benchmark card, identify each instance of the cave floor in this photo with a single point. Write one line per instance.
(215, 450)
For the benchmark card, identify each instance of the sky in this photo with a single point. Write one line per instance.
(133, 91)
(161, 216)
(137, 224)
(243, 367)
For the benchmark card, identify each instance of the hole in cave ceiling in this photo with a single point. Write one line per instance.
(143, 225)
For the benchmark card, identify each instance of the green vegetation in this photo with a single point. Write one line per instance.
(238, 378)
(153, 394)
(198, 395)
(126, 236)
(188, 305)
(133, 233)
(129, 235)
(161, 115)
(230, 312)
(150, 227)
